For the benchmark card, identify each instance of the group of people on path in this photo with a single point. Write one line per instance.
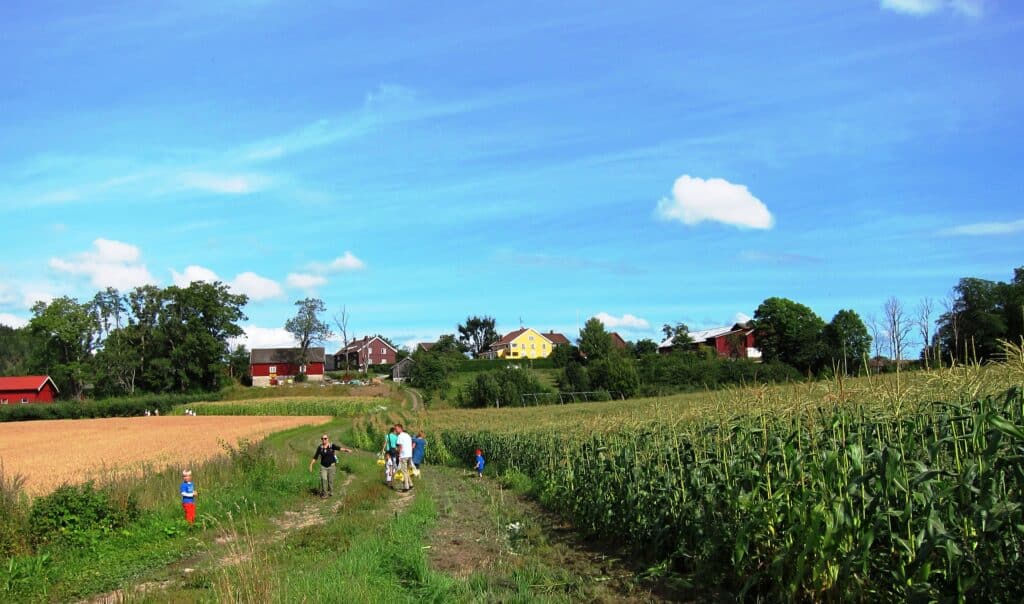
(403, 453)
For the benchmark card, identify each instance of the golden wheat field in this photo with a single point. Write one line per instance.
(49, 453)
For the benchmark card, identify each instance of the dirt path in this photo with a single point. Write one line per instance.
(233, 547)
(415, 399)
(483, 528)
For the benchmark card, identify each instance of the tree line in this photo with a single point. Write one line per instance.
(152, 339)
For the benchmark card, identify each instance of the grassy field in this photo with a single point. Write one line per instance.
(312, 405)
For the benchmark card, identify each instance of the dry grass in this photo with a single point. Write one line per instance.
(49, 453)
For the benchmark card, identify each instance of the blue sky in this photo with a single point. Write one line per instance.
(534, 161)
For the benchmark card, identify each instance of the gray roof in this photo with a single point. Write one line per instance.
(284, 355)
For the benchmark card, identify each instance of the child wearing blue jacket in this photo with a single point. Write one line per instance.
(479, 467)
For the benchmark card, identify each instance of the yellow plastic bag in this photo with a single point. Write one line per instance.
(416, 472)
(399, 475)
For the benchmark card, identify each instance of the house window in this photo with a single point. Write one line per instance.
(514, 344)
(544, 346)
(24, 400)
(302, 369)
(3, 401)
(531, 337)
(383, 352)
(273, 369)
(532, 346)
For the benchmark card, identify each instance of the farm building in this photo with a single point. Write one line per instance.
(556, 338)
(523, 343)
(735, 342)
(27, 389)
(617, 340)
(402, 370)
(362, 353)
(272, 366)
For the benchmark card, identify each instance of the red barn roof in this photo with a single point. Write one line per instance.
(22, 383)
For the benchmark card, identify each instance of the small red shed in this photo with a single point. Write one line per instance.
(27, 389)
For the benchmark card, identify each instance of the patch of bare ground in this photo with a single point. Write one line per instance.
(484, 528)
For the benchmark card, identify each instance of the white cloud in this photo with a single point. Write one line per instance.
(264, 337)
(256, 287)
(228, 184)
(305, 280)
(36, 295)
(109, 264)
(626, 321)
(695, 200)
(919, 8)
(740, 317)
(345, 263)
(12, 321)
(193, 273)
(987, 228)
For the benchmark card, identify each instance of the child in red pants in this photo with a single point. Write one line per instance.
(188, 496)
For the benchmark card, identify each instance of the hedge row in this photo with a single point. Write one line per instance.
(111, 407)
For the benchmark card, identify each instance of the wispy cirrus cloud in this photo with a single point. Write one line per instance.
(986, 228)
(695, 200)
(229, 184)
(777, 257)
(920, 8)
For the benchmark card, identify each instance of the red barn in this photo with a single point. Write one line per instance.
(734, 342)
(272, 366)
(27, 389)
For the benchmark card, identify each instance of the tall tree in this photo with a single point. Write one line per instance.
(67, 331)
(197, 322)
(307, 327)
(789, 332)
(645, 346)
(595, 343)
(847, 340)
(923, 321)
(341, 322)
(897, 327)
(477, 334)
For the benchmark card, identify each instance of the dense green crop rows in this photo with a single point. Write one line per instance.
(850, 503)
(289, 406)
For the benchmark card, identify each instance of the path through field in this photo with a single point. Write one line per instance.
(481, 531)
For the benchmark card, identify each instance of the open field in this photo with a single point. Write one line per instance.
(49, 453)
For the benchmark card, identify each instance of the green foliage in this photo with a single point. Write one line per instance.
(432, 370)
(112, 407)
(852, 504)
(789, 332)
(614, 373)
(13, 504)
(982, 313)
(307, 327)
(847, 341)
(77, 514)
(337, 407)
(645, 347)
(501, 388)
(574, 378)
(595, 343)
(477, 334)
(16, 347)
(562, 354)
(464, 365)
(67, 335)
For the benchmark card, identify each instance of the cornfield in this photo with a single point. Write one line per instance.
(287, 406)
(894, 499)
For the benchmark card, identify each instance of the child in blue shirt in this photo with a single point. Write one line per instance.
(479, 467)
(188, 496)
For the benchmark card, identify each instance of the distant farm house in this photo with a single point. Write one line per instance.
(273, 366)
(364, 352)
(523, 343)
(735, 342)
(27, 389)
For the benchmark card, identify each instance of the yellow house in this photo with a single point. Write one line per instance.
(524, 343)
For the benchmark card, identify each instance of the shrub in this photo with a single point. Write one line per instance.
(76, 513)
(13, 503)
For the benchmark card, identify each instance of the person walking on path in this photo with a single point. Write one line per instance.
(328, 457)
(404, 456)
(188, 496)
(419, 449)
(479, 467)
